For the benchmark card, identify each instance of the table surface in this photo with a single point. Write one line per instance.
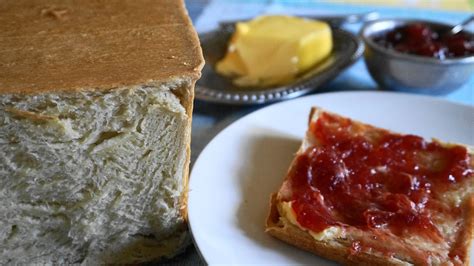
(209, 119)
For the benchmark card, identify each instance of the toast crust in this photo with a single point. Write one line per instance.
(338, 249)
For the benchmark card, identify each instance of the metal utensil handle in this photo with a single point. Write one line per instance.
(351, 18)
(456, 29)
(335, 21)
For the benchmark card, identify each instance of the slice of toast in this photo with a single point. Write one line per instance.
(362, 195)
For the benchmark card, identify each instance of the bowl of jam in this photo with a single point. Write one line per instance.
(418, 56)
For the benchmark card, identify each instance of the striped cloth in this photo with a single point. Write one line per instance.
(356, 77)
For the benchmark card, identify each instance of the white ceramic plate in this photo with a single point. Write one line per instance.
(235, 174)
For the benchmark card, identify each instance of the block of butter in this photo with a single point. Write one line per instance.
(272, 50)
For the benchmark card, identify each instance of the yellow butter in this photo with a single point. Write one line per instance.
(272, 50)
(329, 233)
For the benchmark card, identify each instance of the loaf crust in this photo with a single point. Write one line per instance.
(339, 249)
(54, 45)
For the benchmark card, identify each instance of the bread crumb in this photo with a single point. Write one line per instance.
(54, 12)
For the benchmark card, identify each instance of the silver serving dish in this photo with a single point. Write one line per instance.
(397, 71)
(213, 87)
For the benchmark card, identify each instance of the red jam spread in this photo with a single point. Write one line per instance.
(371, 179)
(419, 39)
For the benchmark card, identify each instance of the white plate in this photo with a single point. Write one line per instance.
(235, 174)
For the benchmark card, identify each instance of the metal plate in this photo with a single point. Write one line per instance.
(213, 87)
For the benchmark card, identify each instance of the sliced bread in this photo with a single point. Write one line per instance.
(362, 195)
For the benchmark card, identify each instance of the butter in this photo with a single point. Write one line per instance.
(272, 50)
(329, 233)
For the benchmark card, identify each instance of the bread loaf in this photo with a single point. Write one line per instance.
(95, 119)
